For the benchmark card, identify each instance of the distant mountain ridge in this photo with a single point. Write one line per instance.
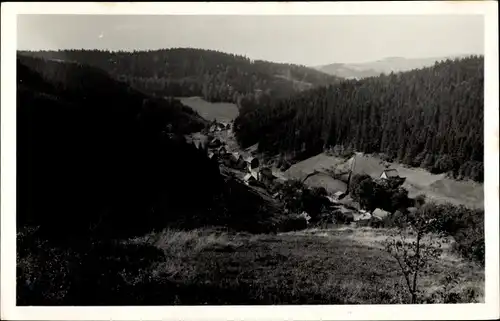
(375, 68)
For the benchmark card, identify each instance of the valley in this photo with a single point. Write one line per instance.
(214, 193)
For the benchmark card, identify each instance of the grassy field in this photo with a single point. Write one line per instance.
(225, 112)
(334, 266)
(418, 181)
(324, 180)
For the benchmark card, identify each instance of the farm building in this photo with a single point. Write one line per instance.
(389, 173)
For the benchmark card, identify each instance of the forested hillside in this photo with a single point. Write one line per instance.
(431, 117)
(214, 75)
(96, 157)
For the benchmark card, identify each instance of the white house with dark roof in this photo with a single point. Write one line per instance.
(389, 173)
(252, 163)
(250, 177)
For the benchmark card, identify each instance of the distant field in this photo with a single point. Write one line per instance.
(225, 112)
(436, 187)
(336, 266)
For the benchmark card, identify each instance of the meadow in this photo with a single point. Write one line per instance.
(438, 188)
(315, 266)
(221, 111)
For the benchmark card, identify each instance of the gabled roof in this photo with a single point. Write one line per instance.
(267, 173)
(251, 159)
(249, 176)
(391, 172)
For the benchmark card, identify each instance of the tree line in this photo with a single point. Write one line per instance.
(214, 75)
(430, 117)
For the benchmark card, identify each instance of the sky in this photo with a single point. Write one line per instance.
(307, 40)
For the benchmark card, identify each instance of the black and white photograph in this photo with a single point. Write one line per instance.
(231, 159)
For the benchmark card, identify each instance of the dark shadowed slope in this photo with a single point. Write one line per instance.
(94, 154)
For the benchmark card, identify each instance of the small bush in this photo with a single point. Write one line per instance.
(340, 217)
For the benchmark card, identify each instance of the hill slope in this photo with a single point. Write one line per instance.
(432, 117)
(95, 155)
(182, 72)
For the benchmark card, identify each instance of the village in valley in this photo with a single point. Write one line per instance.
(261, 174)
(162, 174)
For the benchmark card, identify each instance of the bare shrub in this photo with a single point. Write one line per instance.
(413, 255)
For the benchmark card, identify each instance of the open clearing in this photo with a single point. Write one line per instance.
(333, 266)
(418, 181)
(224, 112)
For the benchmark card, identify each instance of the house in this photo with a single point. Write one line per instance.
(222, 150)
(389, 173)
(266, 176)
(237, 161)
(250, 178)
(252, 163)
(380, 214)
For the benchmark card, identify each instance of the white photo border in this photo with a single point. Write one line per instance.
(490, 309)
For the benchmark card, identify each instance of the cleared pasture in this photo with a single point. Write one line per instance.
(418, 181)
(224, 112)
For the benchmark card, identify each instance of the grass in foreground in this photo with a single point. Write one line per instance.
(340, 266)
(214, 267)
